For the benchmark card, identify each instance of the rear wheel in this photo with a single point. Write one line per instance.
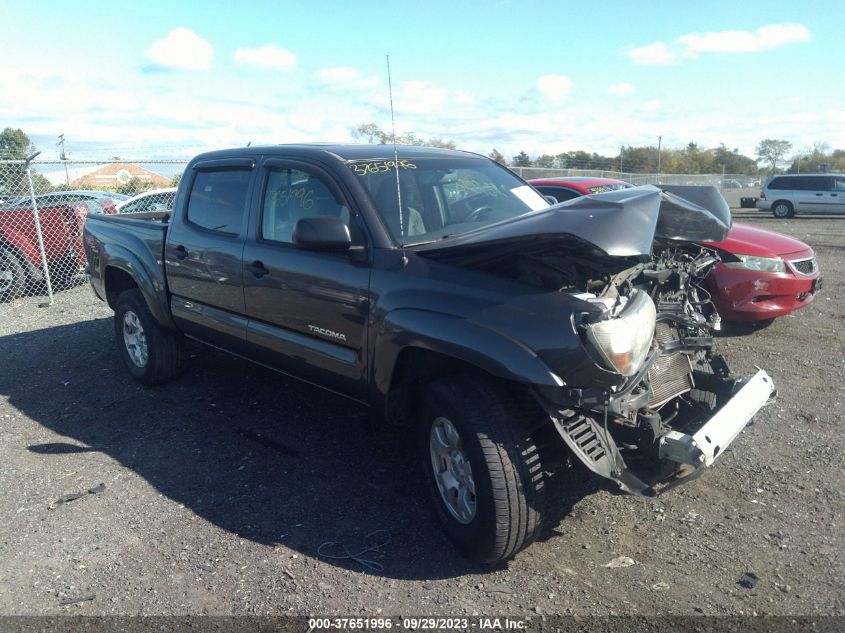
(151, 353)
(12, 276)
(782, 210)
(482, 467)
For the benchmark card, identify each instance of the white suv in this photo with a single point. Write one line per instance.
(785, 196)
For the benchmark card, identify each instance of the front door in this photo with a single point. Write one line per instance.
(307, 310)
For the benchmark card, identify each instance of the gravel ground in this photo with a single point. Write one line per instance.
(219, 489)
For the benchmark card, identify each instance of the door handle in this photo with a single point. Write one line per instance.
(257, 269)
(834, 195)
(819, 194)
(180, 251)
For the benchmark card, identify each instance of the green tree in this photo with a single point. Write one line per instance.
(372, 133)
(521, 160)
(174, 182)
(134, 186)
(14, 144)
(545, 160)
(772, 151)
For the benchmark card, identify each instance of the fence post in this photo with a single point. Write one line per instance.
(38, 228)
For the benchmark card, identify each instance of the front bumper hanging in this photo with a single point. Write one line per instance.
(598, 451)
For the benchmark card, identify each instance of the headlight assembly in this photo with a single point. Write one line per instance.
(760, 264)
(623, 341)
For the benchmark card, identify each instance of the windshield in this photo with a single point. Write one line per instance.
(444, 196)
(610, 186)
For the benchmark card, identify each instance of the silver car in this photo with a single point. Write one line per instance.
(787, 195)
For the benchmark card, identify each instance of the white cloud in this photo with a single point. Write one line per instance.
(555, 87)
(695, 44)
(420, 96)
(183, 49)
(620, 89)
(765, 37)
(339, 75)
(346, 78)
(267, 56)
(651, 55)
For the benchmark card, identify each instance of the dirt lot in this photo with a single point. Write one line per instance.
(220, 488)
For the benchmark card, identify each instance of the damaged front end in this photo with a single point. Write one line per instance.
(654, 405)
(676, 408)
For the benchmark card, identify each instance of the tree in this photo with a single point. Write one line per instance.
(174, 182)
(372, 133)
(497, 156)
(772, 151)
(134, 186)
(14, 144)
(437, 141)
(521, 160)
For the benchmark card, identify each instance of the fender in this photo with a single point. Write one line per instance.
(22, 243)
(487, 349)
(146, 272)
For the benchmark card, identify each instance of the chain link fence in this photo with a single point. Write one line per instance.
(44, 206)
(43, 210)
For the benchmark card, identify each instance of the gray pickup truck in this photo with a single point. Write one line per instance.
(444, 292)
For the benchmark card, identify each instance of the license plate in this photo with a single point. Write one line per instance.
(817, 284)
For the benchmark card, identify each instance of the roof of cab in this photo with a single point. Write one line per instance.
(345, 152)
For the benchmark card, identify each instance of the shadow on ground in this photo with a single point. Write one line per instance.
(253, 452)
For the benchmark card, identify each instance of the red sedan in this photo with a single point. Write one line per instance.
(763, 274)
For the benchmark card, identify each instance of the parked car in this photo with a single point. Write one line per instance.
(21, 265)
(786, 196)
(763, 274)
(562, 189)
(95, 201)
(444, 292)
(154, 200)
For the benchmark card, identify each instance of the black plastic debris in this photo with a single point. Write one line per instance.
(749, 580)
(69, 601)
(73, 496)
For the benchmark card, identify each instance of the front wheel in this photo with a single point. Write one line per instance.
(151, 354)
(482, 467)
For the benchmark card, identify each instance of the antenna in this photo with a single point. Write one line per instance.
(396, 161)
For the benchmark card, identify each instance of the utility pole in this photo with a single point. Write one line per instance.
(621, 150)
(659, 143)
(63, 156)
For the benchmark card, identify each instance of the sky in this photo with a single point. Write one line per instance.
(159, 79)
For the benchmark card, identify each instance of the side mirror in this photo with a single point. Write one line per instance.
(322, 233)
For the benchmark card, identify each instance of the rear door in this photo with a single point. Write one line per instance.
(837, 195)
(812, 194)
(308, 310)
(204, 248)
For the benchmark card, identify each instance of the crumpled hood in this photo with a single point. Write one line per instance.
(620, 223)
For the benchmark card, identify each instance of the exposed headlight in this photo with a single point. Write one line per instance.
(760, 264)
(623, 341)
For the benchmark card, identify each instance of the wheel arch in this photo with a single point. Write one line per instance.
(415, 346)
(123, 270)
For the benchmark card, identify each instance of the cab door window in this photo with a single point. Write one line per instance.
(218, 200)
(290, 195)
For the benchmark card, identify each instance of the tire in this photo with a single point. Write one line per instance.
(489, 434)
(152, 354)
(783, 210)
(12, 276)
